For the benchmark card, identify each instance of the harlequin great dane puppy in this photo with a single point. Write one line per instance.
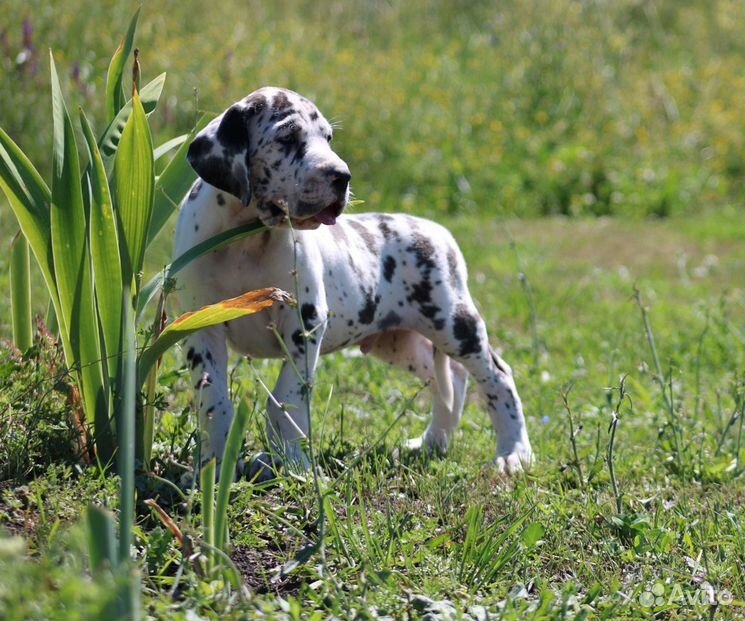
(393, 284)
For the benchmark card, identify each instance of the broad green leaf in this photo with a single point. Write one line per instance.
(114, 96)
(169, 145)
(533, 533)
(104, 252)
(20, 293)
(101, 539)
(27, 184)
(227, 310)
(77, 317)
(109, 142)
(133, 188)
(150, 290)
(173, 183)
(227, 472)
(29, 197)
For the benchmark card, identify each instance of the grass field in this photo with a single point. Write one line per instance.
(470, 115)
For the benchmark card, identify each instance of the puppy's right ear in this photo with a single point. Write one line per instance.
(219, 152)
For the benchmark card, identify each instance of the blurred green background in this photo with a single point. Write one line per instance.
(527, 108)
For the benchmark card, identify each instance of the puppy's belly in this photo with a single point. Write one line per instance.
(252, 336)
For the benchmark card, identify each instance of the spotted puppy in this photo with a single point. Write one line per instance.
(393, 284)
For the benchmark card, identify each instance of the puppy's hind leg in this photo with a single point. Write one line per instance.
(413, 352)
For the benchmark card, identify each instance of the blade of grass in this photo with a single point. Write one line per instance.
(207, 481)
(227, 472)
(169, 145)
(126, 428)
(20, 293)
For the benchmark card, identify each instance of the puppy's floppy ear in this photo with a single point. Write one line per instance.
(219, 152)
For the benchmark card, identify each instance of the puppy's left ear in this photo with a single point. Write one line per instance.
(219, 152)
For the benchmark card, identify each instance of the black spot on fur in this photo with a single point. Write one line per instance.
(309, 314)
(496, 362)
(367, 314)
(299, 340)
(367, 237)
(423, 250)
(196, 360)
(389, 267)
(387, 229)
(421, 292)
(314, 116)
(300, 152)
(190, 353)
(220, 199)
(281, 101)
(391, 320)
(465, 330)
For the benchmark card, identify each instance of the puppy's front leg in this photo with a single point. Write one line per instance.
(288, 407)
(207, 357)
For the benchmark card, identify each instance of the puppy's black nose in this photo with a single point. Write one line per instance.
(339, 179)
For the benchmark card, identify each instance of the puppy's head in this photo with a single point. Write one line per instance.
(273, 148)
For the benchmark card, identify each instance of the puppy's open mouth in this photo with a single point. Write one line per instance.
(327, 215)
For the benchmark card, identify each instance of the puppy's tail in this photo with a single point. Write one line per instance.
(443, 378)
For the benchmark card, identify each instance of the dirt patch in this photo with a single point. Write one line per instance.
(260, 571)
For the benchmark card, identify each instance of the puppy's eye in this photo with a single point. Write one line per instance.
(288, 139)
(329, 138)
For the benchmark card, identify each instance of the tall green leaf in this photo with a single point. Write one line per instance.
(114, 97)
(227, 473)
(20, 293)
(101, 539)
(77, 316)
(207, 484)
(29, 197)
(169, 145)
(173, 183)
(104, 252)
(125, 416)
(227, 310)
(133, 187)
(109, 142)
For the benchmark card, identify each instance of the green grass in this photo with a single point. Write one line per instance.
(474, 115)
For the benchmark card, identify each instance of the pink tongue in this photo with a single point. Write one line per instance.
(326, 216)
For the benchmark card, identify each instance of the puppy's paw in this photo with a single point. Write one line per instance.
(518, 459)
(431, 443)
(262, 468)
